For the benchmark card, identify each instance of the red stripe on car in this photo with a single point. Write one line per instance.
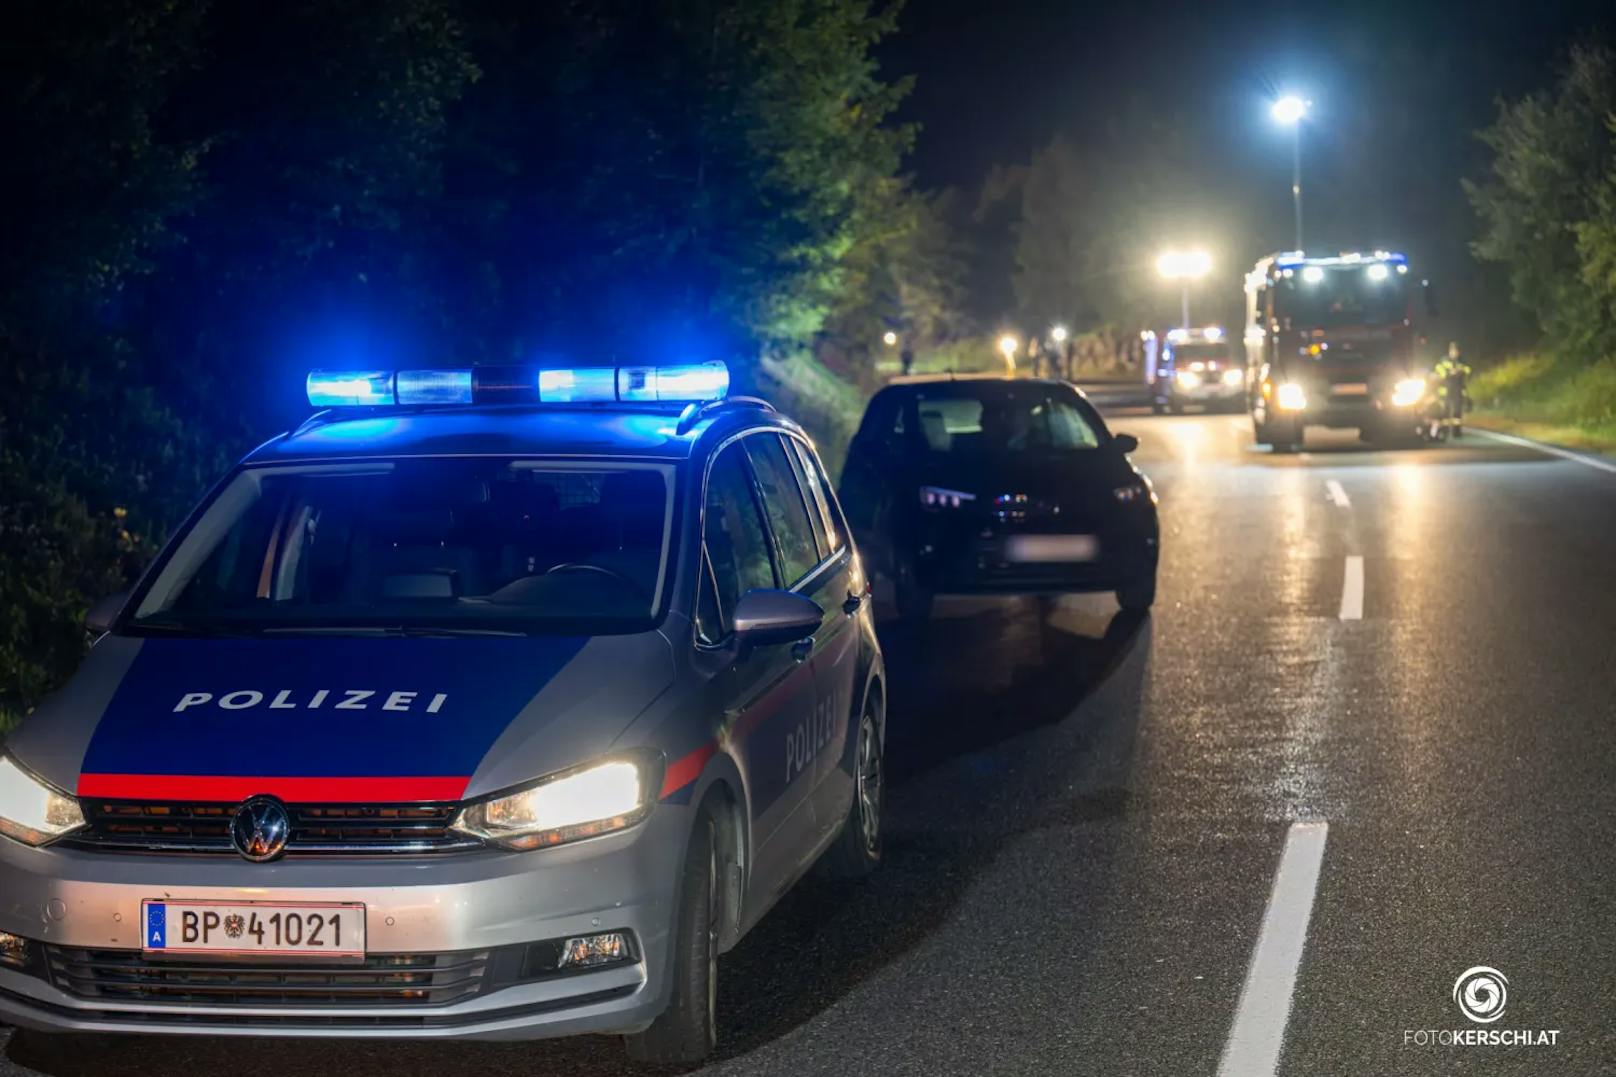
(294, 790)
(686, 769)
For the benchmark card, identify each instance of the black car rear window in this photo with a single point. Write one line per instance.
(961, 419)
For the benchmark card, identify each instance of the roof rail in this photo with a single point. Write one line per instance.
(695, 411)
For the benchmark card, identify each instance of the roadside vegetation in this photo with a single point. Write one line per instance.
(1547, 209)
(1554, 400)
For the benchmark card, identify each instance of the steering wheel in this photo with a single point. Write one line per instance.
(583, 566)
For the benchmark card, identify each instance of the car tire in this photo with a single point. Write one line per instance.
(1158, 408)
(686, 1032)
(1138, 595)
(858, 848)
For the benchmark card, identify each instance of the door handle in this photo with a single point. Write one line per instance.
(851, 606)
(802, 649)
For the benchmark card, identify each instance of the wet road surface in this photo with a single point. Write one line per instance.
(1088, 811)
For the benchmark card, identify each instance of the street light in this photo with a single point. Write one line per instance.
(1289, 111)
(1058, 334)
(889, 338)
(1008, 344)
(1184, 267)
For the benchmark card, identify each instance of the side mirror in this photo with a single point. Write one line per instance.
(101, 615)
(767, 616)
(1124, 443)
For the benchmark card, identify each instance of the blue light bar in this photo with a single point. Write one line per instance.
(683, 383)
(350, 388)
(573, 384)
(434, 386)
(686, 382)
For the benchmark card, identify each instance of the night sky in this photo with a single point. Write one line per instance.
(1398, 91)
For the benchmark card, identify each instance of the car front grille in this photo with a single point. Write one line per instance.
(380, 980)
(328, 829)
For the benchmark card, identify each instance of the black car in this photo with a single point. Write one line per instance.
(988, 485)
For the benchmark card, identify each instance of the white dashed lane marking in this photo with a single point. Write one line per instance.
(1258, 1032)
(1337, 494)
(1352, 590)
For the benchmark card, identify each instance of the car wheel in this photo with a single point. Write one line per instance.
(687, 1030)
(1158, 408)
(857, 850)
(1139, 595)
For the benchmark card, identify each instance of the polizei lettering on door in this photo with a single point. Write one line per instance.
(337, 699)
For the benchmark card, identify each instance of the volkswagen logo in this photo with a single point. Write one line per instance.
(260, 829)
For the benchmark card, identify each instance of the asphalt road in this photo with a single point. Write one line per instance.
(1088, 813)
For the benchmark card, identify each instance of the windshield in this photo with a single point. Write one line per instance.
(506, 544)
(993, 420)
(1343, 295)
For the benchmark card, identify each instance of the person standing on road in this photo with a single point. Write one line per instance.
(1452, 376)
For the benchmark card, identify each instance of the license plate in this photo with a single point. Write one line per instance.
(223, 927)
(1046, 548)
(1356, 388)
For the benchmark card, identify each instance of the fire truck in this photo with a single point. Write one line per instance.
(1331, 342)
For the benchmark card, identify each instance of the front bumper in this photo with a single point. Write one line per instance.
(1347, 413)
(453, 905)
(979, 565)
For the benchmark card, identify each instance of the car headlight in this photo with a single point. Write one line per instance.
(595, 799)
(1408, 392)
(1290, 397)
(31, 811)
(940, 497)
(1233, 377)
(1188, 379)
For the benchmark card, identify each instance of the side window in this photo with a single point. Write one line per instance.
(813, 480)
(737, 545)
(1067, 427)
(784, 506)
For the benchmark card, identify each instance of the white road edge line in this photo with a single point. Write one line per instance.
(1552, 450)
(1352, 590)
(1337, 494)
(1258, 1031)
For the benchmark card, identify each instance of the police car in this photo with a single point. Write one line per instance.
(487, 703)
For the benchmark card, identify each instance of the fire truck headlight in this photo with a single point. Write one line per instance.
(1408, 392)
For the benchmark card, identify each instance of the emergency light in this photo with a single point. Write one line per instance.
(642, 383)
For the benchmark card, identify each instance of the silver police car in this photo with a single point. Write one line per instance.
(487, 703)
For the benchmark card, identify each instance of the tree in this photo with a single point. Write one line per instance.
(1546, 205)
(91, 465)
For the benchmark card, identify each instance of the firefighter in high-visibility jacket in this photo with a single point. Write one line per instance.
(1452, 376)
